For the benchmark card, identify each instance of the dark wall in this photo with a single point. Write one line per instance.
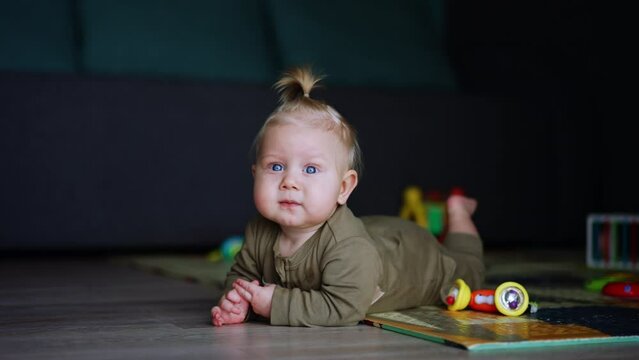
(566, 60)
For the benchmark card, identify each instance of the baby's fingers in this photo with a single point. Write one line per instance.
(230, 307)
(244, 293)
(216, 316)
(233, 296)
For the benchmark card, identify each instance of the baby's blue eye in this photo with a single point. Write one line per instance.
(277, 167)
(310, 169)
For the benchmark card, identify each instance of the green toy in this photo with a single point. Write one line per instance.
(427, 211)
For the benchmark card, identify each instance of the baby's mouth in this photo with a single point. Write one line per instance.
(289, 203)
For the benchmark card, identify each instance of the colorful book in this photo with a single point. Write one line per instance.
(476, 331)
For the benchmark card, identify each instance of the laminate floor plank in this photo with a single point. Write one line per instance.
(90, 308)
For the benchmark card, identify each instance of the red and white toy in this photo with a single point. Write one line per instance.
(509, 298)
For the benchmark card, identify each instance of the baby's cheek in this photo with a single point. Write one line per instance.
(262, 200)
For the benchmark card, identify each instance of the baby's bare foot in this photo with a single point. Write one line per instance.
(459, 205)
(460, 211)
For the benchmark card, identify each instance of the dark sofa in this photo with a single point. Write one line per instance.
(95, 162)
(123, 127)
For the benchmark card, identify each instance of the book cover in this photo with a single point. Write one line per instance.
(477, 331)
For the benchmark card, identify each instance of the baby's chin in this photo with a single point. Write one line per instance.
(287, 220)
(296, 223)
(290, 223)
(292, 219)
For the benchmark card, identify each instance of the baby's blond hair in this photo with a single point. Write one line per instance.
(295, 87)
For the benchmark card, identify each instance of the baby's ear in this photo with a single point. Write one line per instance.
(348, 184)
(253, 170)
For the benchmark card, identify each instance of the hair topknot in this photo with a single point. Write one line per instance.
(296, 84)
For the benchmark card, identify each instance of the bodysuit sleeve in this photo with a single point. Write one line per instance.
(350, 274)
(247, 261)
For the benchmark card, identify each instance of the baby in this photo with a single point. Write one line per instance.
(307, 260)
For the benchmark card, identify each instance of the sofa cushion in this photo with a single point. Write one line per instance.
(356, 42)
(201, 39)
(37, 36)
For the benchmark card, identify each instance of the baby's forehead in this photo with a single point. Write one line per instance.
(303, 135)
(321, 128)
(305, 138)
(307, 118)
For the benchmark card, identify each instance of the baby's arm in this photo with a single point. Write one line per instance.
(349, 277)
(232, 308)
(348, 283)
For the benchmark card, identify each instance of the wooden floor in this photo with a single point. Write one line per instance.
(90, 308)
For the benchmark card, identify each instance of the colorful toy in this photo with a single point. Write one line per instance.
(509, 298)
(623, 289)
(429, 211)
(457, 297)
(597, 284)
(227, 251)
(435, 207)
(413, 207)
(612, 241)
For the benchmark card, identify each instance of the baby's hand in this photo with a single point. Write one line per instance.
(232, 309)
(260, 297)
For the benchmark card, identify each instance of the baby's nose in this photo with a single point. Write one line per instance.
(289, 182)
